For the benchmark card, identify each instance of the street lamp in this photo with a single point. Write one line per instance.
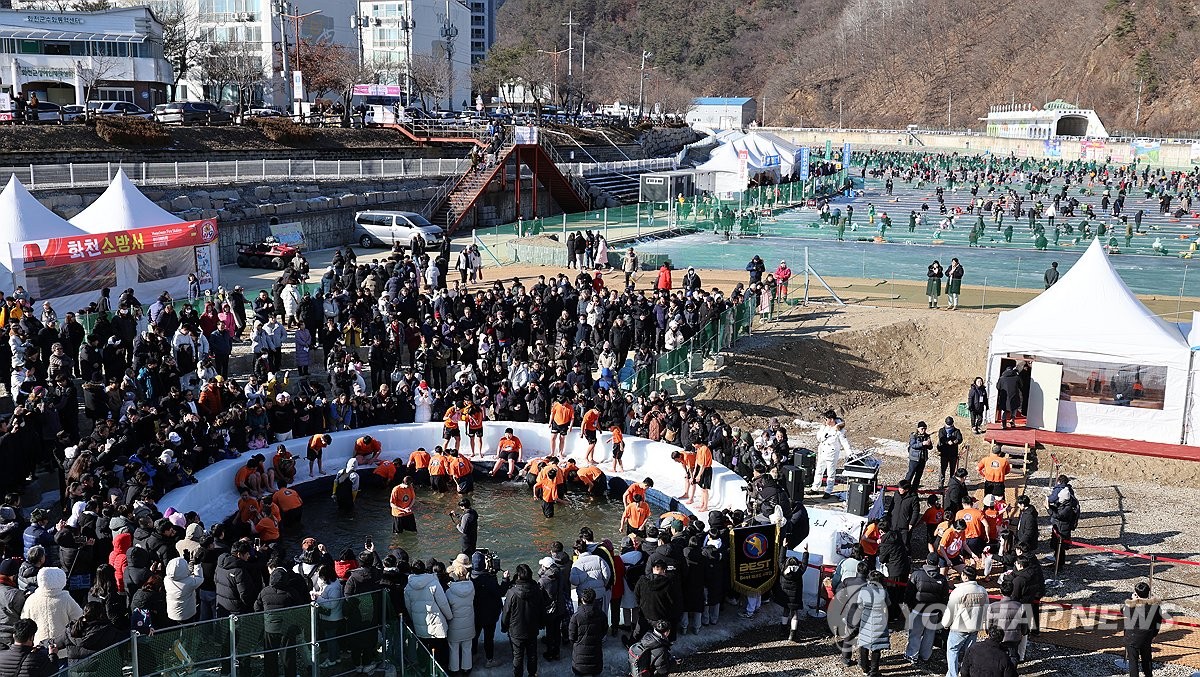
(297, 19)
(642, 85)
(449, 32)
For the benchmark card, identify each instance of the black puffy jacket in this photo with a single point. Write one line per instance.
(791, 585)
(926, 587)
(279, 594)
(25, 661)
(693, 581)
(586, 631)
(137, 570)
(524, 611)
(237, 585)
(658, 597)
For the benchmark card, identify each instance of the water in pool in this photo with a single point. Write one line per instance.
(510, 522)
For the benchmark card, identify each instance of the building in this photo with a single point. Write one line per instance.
(64, 57)
(1055, 119)
(417, 32)
(722, 112)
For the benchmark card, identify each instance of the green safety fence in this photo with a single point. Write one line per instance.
(267, 643)
(717, 335)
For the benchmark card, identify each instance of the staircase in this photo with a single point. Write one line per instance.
(455, 199)
(625, 187)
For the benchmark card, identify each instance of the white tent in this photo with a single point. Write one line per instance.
(1101, 362)
(122, 207)
(23, 218)
(765, 154)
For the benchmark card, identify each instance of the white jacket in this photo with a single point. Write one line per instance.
(831, 441)
(181, 587)
(424, 402)
(591, 571)
(51, 607)
(461, 596)
(427, 606)
(967, 609)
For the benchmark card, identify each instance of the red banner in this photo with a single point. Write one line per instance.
(61, 251)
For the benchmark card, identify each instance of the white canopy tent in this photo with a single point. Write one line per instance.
(1101, 363)
(122, 207)
(766, 153)
(23, 218)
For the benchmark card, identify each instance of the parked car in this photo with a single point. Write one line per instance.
(52, 112)
(385, 228)
(191, 112)
(118, 108)
(265, 113)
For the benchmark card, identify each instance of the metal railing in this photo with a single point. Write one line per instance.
(268, 643)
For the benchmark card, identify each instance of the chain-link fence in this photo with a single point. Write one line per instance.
(297, 640)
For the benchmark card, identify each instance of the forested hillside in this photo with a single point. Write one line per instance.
(879, 62)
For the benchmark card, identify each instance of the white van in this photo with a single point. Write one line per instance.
(379, 228)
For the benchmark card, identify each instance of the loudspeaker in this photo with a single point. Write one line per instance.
(807, 459)
(794, 481)
(858, 498)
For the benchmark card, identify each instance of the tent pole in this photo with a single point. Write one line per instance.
(1189, 400)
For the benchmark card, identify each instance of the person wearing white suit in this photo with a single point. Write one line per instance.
(831, 444)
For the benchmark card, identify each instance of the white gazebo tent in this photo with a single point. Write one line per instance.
(122, 207)
(765, 154)
(23, 218)
(1102, 363)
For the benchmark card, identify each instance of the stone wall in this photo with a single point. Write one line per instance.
(663, 141)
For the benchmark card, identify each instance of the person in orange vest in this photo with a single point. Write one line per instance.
(367, 450)
(562, 414)
(975, 533)
(403, 501)
(316, 445)
(551, 464)
(702, 474)
(450, 431)
(439, 471)
(462, 470)
(587, 430)
(291, 506)
(546, 491)
(284, 464)
(592, 478)
(635, 516)
(687, 459)
(870, 541)
(663, 283)
(508, 449)
(637, 489)
(418, 466)
(533, 469)
(618, 448)
(265, 526)
(994, 468)
(386, 471)
(473, 415)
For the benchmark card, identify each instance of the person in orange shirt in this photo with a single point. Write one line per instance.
(551, 464)
(870, 540)
(248, 504)
(291, 506)
(251, 476)
(462, 470)
(618, 448)
(994, 468)
(637, 489)
(562, 414)
(533, 469)
(265, 527)
(508, 449)
(284, 464)
(975, 533)
(403, 501)
(993, 516)
(687, 459)
(546, 490)
(473, 415)
(418, 466)
(587, 430)
(952, 546)
(316, 445)
(932, 517)
(367, 450)
(636, 514)
(439, 469)
(566, 470)
(593, 480)
(386, 470)
(702, 474)
(450, 431)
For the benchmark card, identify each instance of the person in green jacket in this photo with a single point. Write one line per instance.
(885, 222)
(912, 221)
(871, 213)
(1008, 231)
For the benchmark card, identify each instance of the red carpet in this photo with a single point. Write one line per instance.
(1022, 435)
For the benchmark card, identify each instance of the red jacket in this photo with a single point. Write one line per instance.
(664, 278)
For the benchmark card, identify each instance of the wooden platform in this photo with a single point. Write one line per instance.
(1031, 436)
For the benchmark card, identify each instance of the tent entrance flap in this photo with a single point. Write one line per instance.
(1045, 389)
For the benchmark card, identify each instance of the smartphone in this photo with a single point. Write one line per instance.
(258, 543)
(369, 542)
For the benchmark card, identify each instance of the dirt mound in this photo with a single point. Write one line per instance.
(882, 368)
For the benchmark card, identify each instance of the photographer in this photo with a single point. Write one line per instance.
(765, 494)
(23, 658)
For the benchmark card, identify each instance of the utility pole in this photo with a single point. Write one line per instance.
(570, 24)
(281, 8)
(297, 19)
(554, 65)
(449, 33)
(360, 22)
(642, 86)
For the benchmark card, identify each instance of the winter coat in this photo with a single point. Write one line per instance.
(658, 597)
(987, 659)
(191, 541)
(977, 399)
(12, 600)
(461, 596)
(237, 585)
(137, 570)
(873, 619)
(1008, 387)
(693, 582)
(181, 587)
(278, 594)
(927, 588)
(51, 607)
(1141, 619)
(791, 587)
(1027, 529)
(88, 637)
(966, 611)
(1029, 584)
(25, 661)
(586, 632)
(659, 648)
(894, 556)
(557, 588)
(331, 601)
(427, 606)
(488, 599)
(1010, 615)
(524, 611)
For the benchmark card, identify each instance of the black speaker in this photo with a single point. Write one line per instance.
(807, 459)
(858, 498)
(794, 481)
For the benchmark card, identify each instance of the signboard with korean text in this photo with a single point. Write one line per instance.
(61, 251)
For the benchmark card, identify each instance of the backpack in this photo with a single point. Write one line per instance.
(641, 661)
(1067, 512)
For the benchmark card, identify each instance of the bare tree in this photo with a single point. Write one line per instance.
(181, 39)
(95, 70)
(428, 79)
(230, 67)
(535, 74)
(346, 71)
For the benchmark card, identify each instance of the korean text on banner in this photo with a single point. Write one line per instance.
(61, 251)
(743, 166)
(804, 161)
(754, 558)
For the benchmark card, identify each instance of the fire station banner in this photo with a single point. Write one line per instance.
(754, 558)
(74, 269)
